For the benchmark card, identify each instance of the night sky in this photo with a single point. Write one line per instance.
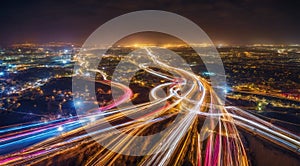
(231, 21)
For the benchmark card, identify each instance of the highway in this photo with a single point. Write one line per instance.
(190, 123)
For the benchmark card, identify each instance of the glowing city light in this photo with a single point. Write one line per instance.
(209, 73)
(225, 90)
(60, 128)
(77, 103)
(218, 148)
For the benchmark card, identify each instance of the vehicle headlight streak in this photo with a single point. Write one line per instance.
(219, 139)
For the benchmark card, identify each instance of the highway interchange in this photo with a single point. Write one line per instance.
(195, 126)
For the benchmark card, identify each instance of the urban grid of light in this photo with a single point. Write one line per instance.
(223, 145)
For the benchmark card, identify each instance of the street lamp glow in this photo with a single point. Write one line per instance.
(77, 103)
(60, 128)
(225, 90)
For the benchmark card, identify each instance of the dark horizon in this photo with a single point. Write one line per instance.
(230, 22)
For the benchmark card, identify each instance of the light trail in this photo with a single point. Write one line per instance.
(218, 142)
